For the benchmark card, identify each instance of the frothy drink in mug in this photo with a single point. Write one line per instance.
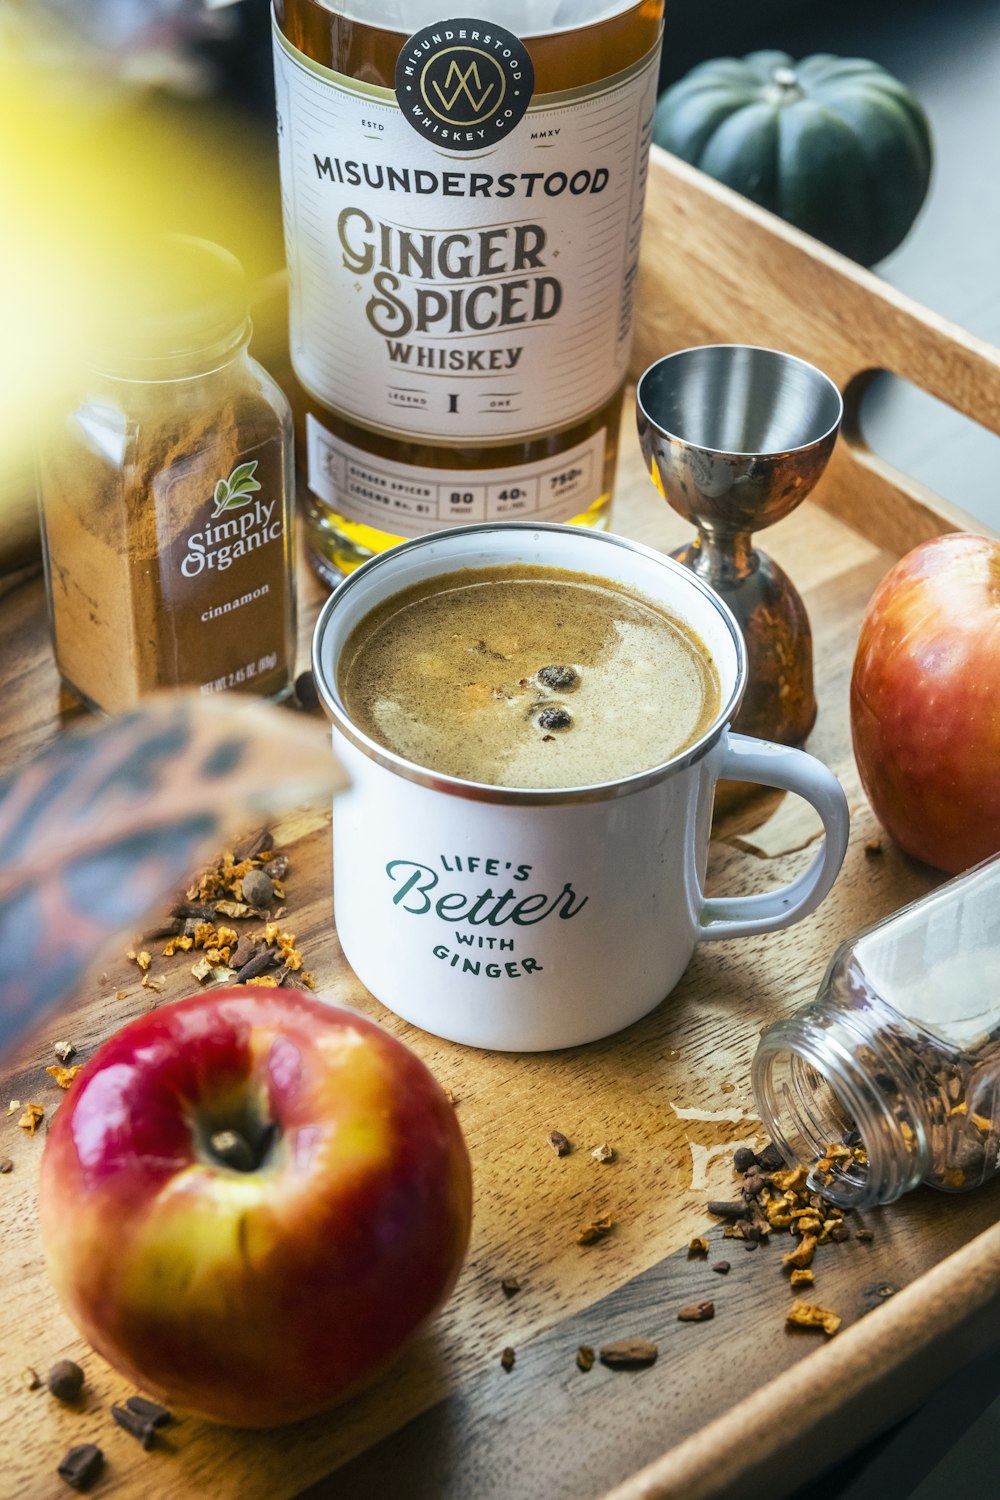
(534, 719)
(528, 677)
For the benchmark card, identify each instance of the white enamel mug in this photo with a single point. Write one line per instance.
(526, 920)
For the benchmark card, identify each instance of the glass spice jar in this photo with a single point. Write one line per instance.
(166, 495)
(896, 1063)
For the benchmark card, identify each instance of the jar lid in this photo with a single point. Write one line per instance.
(180, 305)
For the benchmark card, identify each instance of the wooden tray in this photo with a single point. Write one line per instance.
(737, 1400)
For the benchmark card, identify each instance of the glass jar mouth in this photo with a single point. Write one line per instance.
(159, 366)
(817, 1105)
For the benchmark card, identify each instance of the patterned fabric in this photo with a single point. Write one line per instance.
(104, 824)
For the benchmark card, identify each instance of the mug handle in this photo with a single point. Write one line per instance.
(742, 758)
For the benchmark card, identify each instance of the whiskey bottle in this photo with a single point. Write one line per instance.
(462, 206)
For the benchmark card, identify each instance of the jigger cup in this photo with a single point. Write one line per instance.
(735, 437)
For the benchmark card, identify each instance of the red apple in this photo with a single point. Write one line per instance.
(925, 701)
(261, 1292)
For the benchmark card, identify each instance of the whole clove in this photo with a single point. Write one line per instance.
(81, 1466)
(254, 845)
(770, 1159)
(245, 950)
(264, 959)
(628, 1354)
(696, 1312)
(198, 911)
(157, 1414)
(726, 1210)
(140, 1426)
(753, 1184)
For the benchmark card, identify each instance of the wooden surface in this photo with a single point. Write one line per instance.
(718, 269)
(738, 1395)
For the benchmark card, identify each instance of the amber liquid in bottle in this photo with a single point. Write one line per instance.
(565, 60)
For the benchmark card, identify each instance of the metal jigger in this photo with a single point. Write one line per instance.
(734, 438)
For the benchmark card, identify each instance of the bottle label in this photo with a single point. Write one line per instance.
(224, 571)
(458, 273)
(464, 85)
(408, 501)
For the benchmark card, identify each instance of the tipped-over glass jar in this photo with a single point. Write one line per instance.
(896, 1063)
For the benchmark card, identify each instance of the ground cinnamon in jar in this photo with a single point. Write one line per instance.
(166, 498)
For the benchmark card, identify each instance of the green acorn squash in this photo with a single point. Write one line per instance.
(835, 145)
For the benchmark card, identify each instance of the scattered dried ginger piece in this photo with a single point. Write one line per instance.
(807, 1315)
(595, 1230)
(697, 1246)
(64, 1076)
(801, 1277)
(801, 1257)
(237, 909)
(791, 1180)
(262, 981)
(807, 1223)
(604, 1152)
(29, 1121)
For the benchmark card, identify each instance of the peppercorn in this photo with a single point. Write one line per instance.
(65, 1380)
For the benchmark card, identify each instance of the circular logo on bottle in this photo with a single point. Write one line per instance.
(464, 84)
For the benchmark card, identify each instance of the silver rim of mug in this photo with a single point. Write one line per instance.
(486, 791)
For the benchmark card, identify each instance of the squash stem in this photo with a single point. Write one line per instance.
(784, 87)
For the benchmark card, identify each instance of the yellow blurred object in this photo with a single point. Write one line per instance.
(87, 173)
